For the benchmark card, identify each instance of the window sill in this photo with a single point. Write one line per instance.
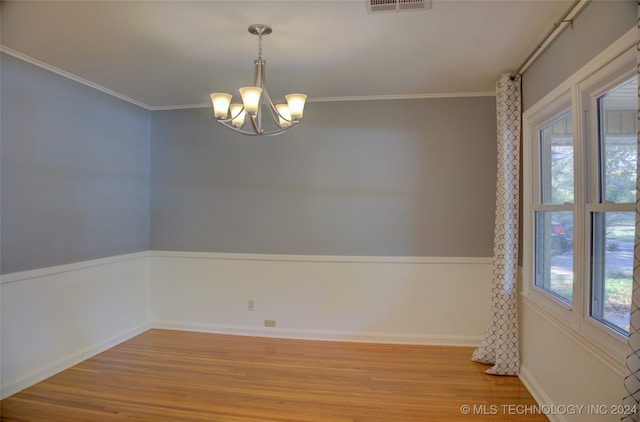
(607, 348)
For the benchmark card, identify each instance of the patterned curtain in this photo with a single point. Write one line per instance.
(632, 379)
(500, 344)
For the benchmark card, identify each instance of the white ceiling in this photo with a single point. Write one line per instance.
(174, 53)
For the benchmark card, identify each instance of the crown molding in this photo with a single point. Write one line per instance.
(357, 259)
(403, 96)
(358, 98)
(123, 97)
(71, 76)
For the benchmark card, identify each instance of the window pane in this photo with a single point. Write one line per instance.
(612, 268)
(556, 160)
(554, 253)
(617, 133)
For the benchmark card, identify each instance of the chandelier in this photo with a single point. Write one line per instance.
(255, 99)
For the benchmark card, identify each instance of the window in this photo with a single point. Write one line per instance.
(579, 162)
(611, 209)
(554, 209)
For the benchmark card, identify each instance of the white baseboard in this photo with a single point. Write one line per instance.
(69, 361)
(356, 337)
(539, 394)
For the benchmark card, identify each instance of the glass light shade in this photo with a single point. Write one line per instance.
(220, 102)
(237, 115)
(251, 98)
(296, 105)
(285, 115)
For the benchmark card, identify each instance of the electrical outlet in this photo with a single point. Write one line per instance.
(251, 306)
(269, 322)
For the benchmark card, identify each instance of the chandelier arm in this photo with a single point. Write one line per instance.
(278, 131)
(275, 114)
(275, 132)
(256, 127)
(273, 110)
(229, 119)
(235, 129)
(233, 117)
(247, 133)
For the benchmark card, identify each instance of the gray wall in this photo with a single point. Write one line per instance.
(595, 28)
(74, 171)
(395, 178)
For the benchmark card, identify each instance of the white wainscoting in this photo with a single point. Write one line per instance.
(53, 318)
(437, 301)
(560, 368)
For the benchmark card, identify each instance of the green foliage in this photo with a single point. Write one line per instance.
(617, 295)
(562, 174)
(620, 173)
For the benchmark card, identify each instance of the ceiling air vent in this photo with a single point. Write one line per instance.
(375, 6)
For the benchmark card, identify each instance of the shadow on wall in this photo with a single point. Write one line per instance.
(371, 180)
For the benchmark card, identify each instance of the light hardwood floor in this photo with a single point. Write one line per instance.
(164, 375)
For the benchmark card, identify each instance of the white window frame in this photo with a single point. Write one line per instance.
(590, 90)
(553, 110)
(577, 95)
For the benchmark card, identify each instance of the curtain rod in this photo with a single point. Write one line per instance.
(552, 34)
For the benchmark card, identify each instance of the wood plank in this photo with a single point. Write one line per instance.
(164, 375)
